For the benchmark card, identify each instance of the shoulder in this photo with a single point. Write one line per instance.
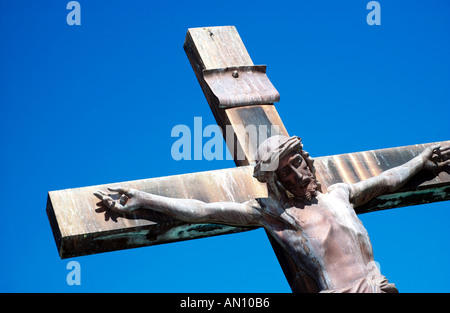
(266, 204)
(253, 204)
(339, 186)
(269, 208)
(340, 189)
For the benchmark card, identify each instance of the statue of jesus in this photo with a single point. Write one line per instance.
(320, 231)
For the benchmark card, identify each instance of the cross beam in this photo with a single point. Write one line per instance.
(79, 230)
(219, 58)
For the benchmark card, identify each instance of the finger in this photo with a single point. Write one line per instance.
(107, 215)
(445, 150)
(113, 216)
(439, 157)
(119, 189)
(99, 195)
(101, 209)
(435, 148)
(102, 193)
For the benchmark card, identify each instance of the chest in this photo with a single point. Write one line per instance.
(327, 216)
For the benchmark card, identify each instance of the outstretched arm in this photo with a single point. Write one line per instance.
(432, 158)
(126, 200)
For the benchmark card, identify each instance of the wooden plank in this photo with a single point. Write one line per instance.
(262, 118)
(78, 229)
(211, 48)
(217, 47)
(240, 86)
(425, 187)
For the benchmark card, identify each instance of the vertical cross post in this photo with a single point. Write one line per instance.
(221, 50)
(238, 92)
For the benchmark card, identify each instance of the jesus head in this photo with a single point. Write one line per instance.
(287, 169)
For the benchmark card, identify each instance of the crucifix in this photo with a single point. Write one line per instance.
(284, 199)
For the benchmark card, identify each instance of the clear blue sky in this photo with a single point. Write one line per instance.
(95, 104)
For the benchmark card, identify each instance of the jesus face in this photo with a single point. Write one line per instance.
(294, 174)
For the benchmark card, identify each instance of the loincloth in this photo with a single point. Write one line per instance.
(366, 285)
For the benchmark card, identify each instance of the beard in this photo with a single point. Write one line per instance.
(308, 191)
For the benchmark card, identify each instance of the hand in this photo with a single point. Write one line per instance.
(124, 201)
(436, 157)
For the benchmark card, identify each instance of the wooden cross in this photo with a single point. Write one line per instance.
(239, 94)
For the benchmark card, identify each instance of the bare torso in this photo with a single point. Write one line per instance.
(325, 238)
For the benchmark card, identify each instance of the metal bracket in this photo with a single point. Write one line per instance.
(241, 85)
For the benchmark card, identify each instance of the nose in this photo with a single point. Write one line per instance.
(297, 175)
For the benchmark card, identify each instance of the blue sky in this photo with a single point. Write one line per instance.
(96, 103)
